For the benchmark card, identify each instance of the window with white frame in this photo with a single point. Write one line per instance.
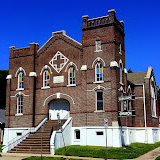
(153, 100)
(20, 80)
(77, 134)
(120, 72)
(98, 45)
(99, 71)
(19, 104)
(99, 100)
(46, 78)
(71, 76)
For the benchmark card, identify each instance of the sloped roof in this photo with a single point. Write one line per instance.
(59, 35)
(137, 77)
(2, 115)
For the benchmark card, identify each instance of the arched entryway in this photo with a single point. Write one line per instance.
(59, 106)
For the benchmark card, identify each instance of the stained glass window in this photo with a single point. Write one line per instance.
(19, 104)
(20, 80)
(71, 75)
(99, 100)
(99, 71)
(46, 78)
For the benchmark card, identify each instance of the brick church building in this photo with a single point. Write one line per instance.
(86, 85)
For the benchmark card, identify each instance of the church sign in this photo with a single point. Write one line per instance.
(126, 113)
(124, 98)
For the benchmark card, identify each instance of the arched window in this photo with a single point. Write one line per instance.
(120, 72)
(153, 100)
(98, 71)
(19, 104)
(71, 76)
(46, 78)
(20, 80)
(99, 99)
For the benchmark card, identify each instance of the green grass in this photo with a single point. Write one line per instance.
(1, 148)
(45, 158)
(128, 152)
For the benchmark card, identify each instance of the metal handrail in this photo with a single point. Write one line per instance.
(67, 116)
(16, 140)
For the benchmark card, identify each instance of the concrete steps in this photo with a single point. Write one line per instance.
(40, 141)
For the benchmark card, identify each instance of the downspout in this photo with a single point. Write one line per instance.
(145, 118)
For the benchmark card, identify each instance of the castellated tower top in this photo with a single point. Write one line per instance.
(102, 21)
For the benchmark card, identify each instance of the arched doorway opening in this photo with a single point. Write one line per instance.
(59, 106)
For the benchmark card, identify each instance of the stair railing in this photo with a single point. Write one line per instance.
(67, 116)
(18, 139)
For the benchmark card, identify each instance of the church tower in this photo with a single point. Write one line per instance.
(104, 56)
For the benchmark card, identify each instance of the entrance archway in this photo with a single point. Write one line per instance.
(59, 106)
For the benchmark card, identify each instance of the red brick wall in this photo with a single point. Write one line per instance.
(82, 96)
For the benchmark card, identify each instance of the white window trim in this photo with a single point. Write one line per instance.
(96, 46)
(101, 81)
(19, 114)
(120, 49)
(153, 97)
(18, 88)
(44, 78)
(98, 82)
(120, 73)
(47, 87)
(75, 135)
(96, 101)
(69, 85)
(18, 106)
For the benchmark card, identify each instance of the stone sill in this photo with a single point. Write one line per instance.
(45, 87)
(20, 89)
(98, 51)
(71, 85)
(99, 82)
(99, 111)
(19, 114)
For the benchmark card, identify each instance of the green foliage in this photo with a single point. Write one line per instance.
(130, 71)
(128, 152)
(3, 75)
(1, 148)
(158, 158)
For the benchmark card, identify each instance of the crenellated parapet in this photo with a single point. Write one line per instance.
(21, 52)
(102, 21)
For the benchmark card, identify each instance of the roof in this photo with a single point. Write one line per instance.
(137, 77)
(2, 115)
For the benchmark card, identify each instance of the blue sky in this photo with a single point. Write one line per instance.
(27, 21)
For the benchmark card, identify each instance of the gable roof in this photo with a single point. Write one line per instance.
(2, 115)
(137, 77)
(60, 35)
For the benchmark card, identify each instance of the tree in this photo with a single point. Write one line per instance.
(3, 75)
(130, 71)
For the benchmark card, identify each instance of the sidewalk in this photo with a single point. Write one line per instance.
(19, 156)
